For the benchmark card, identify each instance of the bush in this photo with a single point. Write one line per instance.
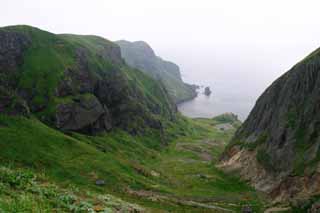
(16, 179)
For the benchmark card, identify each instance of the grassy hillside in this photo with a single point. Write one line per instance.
(80, 131)
(181, 177)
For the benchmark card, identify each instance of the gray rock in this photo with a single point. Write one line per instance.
(246, 209)
(12, 104)
(100, 182)
(207, 91)
(12, 47)
(85, 114)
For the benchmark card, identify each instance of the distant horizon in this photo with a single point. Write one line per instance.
(243, 100)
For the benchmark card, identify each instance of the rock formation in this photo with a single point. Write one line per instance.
(76, 83)
(277, 147)
(207, 91)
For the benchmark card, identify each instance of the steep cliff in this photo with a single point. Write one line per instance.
(277, 147)
(77, 83)
(141, 56)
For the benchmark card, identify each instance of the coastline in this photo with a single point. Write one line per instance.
(187, 99)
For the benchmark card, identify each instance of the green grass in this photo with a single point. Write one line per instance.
(44, 63)
(301, 147)
(67, 159)
(23, 191)
(192, 178)
(125, 162)
(292, 118)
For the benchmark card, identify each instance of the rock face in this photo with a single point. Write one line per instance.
(207, 91)
(12, 46)
(141, 56)
(11, 104)
(77, 83)
(84, 114)
(277, 147)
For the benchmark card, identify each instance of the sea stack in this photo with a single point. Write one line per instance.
(207, 91)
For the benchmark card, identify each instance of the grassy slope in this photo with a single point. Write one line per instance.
(165, 180)
(188, 165)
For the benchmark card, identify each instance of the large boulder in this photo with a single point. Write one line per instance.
(85, 114)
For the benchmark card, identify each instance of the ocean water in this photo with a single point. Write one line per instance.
(236, 74)
(216, 104)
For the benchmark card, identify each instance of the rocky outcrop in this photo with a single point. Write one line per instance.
(12, 104)
(84, 114)
(12, 47)
(277, 147)
(207, 91)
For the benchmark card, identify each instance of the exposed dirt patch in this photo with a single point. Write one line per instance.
(205, 156)
(277, 209)
(224, 127)
(201, 149)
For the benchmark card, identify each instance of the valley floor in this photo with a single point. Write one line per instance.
(187, 173)
(181, 177)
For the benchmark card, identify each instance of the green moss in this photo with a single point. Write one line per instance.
(44, 64)
(265, 159)
(292, 117)
(251, 146)
(262, 138)
(300, 147)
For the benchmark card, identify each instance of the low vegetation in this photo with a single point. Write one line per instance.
(81, 131)
(45, 170)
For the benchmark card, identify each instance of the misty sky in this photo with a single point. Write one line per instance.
(239, 46)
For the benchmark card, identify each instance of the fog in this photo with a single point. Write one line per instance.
(236, 47)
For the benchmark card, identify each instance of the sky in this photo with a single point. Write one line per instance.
(239, 46)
